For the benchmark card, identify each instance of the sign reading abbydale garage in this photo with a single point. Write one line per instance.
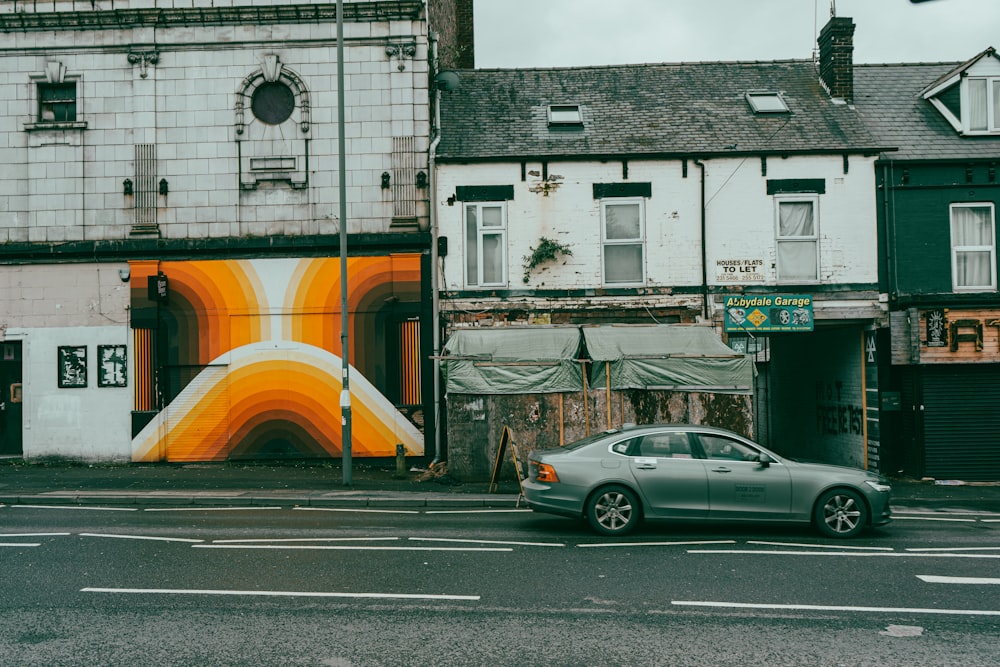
(768, 313)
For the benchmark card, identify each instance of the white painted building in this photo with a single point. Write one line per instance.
(141, 138)
(658, 193)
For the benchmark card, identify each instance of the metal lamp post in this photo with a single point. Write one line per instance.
(345, 394)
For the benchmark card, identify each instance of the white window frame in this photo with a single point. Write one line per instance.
(813, 238)
(767, 101)
(475, 248)
(640, 240)
(565, 114)
(992, 110)
(957, 249)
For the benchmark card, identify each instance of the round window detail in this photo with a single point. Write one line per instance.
(273, 103)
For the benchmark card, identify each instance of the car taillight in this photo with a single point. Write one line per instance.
(545, 472)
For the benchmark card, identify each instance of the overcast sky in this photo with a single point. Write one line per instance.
(558, 33)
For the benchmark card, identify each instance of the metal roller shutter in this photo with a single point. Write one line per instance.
(962, 422)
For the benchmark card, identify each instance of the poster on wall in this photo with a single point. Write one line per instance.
(72, 364)
(111, 366)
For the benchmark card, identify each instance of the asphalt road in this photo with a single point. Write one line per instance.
(284, 586)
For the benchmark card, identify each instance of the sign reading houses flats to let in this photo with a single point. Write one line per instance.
(768, 313)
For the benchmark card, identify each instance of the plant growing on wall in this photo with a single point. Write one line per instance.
(546, 251)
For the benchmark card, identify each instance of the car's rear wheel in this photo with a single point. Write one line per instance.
(613, 510)
(840, 513)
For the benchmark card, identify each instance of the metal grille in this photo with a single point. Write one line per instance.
(404, 189)
(409, 363)
(145, 184)
(961, 421)
(144, 392)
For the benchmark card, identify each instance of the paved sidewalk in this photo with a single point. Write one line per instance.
(321, 484)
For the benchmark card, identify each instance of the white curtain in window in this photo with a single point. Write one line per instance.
(492, 259)
(796, 259)
(622, 221)
(996, 104)
(471, 246)
(977, 104)
(623, 263)
(972, 235)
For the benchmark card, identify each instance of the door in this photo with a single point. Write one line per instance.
(739, 487)
(11, 398)
(671, 481)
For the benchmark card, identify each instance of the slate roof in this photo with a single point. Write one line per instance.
(685, 109)
(889, 98)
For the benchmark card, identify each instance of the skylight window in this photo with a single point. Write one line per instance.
(565, 114)
(767, 102)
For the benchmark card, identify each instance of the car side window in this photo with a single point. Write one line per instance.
(665, 446)
(721, 447)
(628, 447)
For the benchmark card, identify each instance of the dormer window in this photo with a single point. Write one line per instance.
(565, 115)
(969, 96)
(766, 102)
(984, 104)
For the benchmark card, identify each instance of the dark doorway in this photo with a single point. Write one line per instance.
(11, 398)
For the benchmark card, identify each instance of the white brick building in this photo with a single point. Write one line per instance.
(197, 140)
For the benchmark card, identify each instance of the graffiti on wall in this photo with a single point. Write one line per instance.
(836, 414)
(250, 363)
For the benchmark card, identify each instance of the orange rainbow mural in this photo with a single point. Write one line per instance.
(247, 359)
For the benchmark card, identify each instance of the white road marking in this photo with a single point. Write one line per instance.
(308, 539)
(521, 544)
(34, 534)
(514, 511)
(311, 594)
(896, 517)
(977, 581)
(820, 546)
(601, 545)
(854, 554)
(948, 549)
(346, 547)
(142, 537)
(21, 544)
(79, 507)
(194, 508)
(823, 607)
(342, 509)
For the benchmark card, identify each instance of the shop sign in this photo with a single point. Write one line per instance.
(768, 313)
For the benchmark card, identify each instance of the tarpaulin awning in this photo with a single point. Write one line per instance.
(665, 356)
(530, 360)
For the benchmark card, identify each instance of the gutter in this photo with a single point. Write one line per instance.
(704, 248)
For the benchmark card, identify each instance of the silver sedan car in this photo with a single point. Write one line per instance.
(616, 478)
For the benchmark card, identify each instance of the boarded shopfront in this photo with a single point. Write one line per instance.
(553, 385)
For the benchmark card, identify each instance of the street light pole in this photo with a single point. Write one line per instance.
(345, 361)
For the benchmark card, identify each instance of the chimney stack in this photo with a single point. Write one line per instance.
(453, 21)
(836, 58)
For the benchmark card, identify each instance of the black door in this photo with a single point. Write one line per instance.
(10, 399)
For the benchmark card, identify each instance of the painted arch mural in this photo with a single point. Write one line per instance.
(240, 359)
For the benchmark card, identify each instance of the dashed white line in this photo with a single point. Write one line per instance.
(521, 544)
(952, 549)
(345, 547)
(142, 537)
(353, 510)
(852, 554)
(194, 508)
(34, 534)
(514, 511)
(896, 517)
(976, 581)
(20, 544)
(823, 607)
(601, 545)
(819, 546)
(93, 508)
(311, 594)
(307, 539)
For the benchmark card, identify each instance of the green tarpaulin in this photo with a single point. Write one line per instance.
(534, 360)
(665, 356)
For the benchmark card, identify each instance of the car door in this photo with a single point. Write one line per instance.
(739, 486)
(672, 482)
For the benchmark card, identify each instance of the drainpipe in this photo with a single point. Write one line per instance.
(432, 38)
(704, 249)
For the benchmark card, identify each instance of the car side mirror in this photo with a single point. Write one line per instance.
(764, 460)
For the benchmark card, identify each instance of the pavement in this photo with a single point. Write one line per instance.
(321, 484)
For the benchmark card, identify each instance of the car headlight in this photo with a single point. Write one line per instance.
(878, 485)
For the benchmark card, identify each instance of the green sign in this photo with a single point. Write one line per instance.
(768, 313)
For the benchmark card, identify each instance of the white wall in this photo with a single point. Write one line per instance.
(69, 304)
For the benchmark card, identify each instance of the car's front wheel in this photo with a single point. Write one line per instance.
(613, 510)
(840, 513)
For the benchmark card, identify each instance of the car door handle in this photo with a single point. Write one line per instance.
(646, 466)
(721, 470)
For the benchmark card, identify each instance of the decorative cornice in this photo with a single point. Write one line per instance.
(117, 19)
(143, 58)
